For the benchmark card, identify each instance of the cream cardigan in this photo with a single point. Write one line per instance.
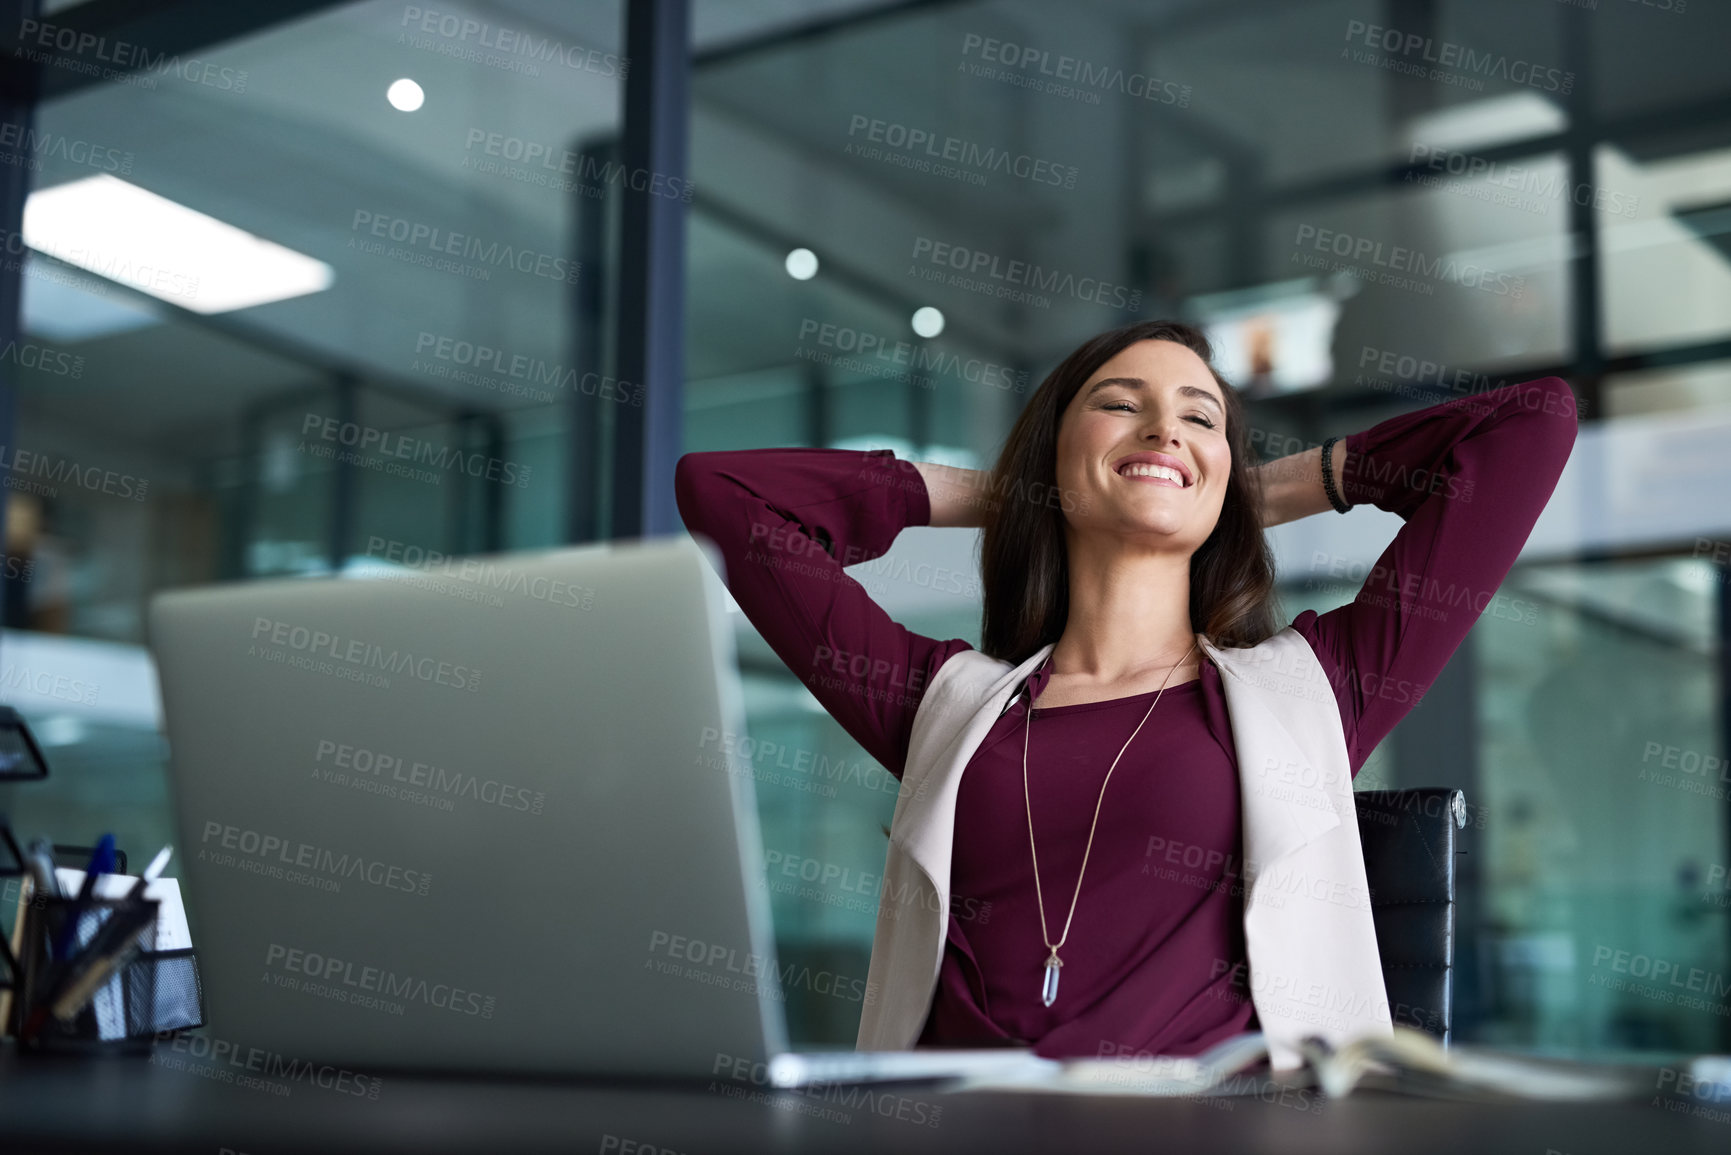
(1314, 967)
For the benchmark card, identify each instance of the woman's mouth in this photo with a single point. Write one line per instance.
(1155, 469)
(1160, 474)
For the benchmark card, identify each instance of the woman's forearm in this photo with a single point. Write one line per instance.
(1292, 486)
(787, 523)
(1468, 478)
(960, 498)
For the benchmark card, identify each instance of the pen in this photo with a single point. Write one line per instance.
(113, 946)
(101, 862)
(40, 859)
(151, 872)
(116, 949)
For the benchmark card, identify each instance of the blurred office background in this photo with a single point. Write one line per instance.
(170, 380)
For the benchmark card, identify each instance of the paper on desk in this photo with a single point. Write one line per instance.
(1081, 1077)
(172, 932)
(1158, 1076)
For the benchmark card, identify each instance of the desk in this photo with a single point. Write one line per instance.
(90, 1106)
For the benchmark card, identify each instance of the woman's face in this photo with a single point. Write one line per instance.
(1149, 411)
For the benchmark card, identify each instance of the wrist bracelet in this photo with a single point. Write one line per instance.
(1334, 498)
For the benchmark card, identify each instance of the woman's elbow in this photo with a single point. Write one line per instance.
(690, 475)
(1555, 398)
(1555, 413)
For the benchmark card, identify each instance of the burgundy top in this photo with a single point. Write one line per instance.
(1152, 962)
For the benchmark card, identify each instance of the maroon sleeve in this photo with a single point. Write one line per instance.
(1469, 477)
(786, 522)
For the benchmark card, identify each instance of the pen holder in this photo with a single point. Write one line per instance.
(156, 991)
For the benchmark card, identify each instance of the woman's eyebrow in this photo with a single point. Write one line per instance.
(1139, 383)
(1202, 394)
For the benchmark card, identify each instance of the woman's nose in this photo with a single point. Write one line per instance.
(1163, 432)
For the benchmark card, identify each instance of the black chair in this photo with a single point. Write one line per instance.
(1408, 838)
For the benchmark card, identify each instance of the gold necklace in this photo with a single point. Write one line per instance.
(1049, 987)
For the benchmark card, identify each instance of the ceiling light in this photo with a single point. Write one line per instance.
(1483, 123)
(927, 321)
(62, 304)
(802, 264)
(405, 95)
(136, 238)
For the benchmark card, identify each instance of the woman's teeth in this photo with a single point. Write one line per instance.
(1165, 471)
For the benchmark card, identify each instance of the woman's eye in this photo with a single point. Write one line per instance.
(1126, 407)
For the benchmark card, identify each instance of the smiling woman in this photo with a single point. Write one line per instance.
(1126, 576)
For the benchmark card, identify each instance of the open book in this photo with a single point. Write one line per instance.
(1409, 1061)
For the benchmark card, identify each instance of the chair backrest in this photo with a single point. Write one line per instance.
(1409, 863)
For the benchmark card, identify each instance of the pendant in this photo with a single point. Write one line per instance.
(1049, 988)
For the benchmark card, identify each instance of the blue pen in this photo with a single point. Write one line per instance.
(101, 862)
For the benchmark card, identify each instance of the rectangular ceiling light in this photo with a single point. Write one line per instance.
(63, 305)
(134, 237)
(1485, 123)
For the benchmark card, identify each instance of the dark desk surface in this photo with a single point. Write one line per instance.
(89, 1106)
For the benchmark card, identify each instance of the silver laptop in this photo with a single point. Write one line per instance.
(483, 815)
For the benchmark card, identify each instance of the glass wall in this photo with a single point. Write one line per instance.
(338, 333)
(1562, 194)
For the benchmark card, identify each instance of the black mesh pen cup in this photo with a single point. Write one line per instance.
(62, 939)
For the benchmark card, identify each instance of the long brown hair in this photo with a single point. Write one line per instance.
(1023, 561)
